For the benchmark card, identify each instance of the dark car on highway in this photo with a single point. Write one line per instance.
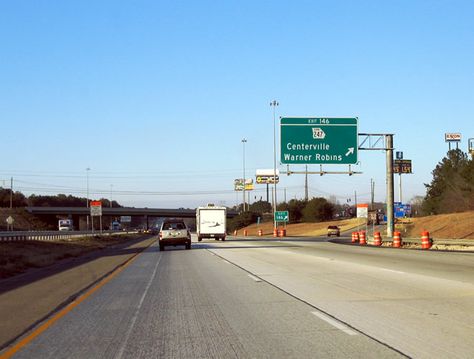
(334, 231)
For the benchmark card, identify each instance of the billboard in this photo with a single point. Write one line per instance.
(239, 184)
(452, 137)
(267, 176)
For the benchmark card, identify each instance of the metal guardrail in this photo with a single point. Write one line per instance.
(55, 235)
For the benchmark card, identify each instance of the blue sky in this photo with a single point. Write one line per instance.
(155, 97)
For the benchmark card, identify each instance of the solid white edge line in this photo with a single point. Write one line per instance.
(225, 261)
(254, 278)
(335, 323)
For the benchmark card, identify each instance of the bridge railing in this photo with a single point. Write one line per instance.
(55, 235)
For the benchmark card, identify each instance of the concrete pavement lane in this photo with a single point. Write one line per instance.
(416, 301)
(193, 304)
(27, 299)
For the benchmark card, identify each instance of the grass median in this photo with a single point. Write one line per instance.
(18, 257)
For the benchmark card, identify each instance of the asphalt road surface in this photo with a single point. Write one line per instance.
(294, 298)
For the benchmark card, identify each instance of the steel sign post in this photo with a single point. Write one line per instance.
(317, 140)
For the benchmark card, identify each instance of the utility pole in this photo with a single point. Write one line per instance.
(244, 141)
(306, 184)
(111, 187)
(274, 104)
(390, 190)
(87, 180)
(285, 194)
(372, 190)
(400, 184)
(11, 193)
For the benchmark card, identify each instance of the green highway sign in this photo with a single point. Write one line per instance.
(318, 140)
(282, 216)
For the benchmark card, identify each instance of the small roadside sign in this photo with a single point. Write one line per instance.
(282, 216)
(96, 208)
(125, 219)
(10, 220)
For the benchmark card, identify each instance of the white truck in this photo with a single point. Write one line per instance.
(65, 225)
(211, 222)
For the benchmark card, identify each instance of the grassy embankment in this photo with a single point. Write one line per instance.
(443, 226)
(304, 229)
(17, 257)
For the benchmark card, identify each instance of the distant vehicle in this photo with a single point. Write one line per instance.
(174, 232)
(334, 231)
(115, 226)
(65, 225)
(211, 222)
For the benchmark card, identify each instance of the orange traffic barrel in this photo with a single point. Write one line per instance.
(397, 240)
(282, 232)
(377, 239)
(355, 237)
(260, 233)
(245, 232)
(425, 240)
(275, 232)
(362, 238)
(235, 232)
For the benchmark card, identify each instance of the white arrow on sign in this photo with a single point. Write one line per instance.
(350, 151)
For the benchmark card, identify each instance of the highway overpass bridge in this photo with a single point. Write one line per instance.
(80, 213)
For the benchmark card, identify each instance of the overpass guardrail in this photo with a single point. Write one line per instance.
(55, 235)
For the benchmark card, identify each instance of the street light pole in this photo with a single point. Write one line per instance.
(244, 141)
(87, 181)
(274, 103)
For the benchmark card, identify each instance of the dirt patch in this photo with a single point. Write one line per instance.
(446, 226)
(17, 257)
(304, 229)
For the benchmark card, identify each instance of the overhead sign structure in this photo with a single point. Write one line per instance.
(402, 166)
(96, 208)
(282, 216)
(267, 176)
(318, 140)
(452, 137)
(239, 184)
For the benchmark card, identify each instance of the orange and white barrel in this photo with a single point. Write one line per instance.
(397, 240)
(275, 232)
(355, 237)
(260, 233)
(246, 232)
(362, 238)
(282, 232)
(235, 232)
(377, 239)
(425, 240)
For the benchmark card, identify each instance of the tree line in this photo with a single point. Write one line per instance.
(317, 209)
(452, 187)
(59, 200)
